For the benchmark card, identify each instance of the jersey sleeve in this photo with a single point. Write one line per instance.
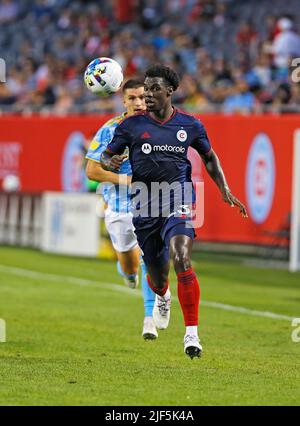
(121, 140)
(99, 143)
(200, 142)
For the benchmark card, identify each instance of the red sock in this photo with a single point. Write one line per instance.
(189, 296)
(159, 291)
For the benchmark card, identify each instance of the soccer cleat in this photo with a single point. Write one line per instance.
(131, 282)
(161, 312)
(192, 346)
(149, 329)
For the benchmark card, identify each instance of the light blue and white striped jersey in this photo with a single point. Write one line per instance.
(117, 197)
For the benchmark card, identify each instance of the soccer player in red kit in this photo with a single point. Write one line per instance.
(158, 141)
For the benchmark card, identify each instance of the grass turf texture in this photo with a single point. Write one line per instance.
(72, 343)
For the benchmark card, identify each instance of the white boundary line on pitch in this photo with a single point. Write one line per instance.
(121, 289)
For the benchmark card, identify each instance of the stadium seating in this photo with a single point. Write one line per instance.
(47, 43)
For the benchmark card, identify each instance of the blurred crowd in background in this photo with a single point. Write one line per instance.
(232, 55)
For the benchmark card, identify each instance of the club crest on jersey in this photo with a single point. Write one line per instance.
(146, 148)
(182, 135)
(94, 145)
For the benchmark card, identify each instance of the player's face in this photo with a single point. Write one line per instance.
(134, 100)
(157, 93)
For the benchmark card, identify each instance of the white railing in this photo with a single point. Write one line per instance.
(56, 222)
(20, 219)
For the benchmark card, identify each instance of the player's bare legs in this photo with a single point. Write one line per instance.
(188, 291)
(128, 266)
(180, 251)
(159, 275)
(129, 261)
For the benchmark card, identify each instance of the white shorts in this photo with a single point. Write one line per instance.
(121, 230)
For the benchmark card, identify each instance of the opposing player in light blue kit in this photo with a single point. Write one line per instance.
(118, 218)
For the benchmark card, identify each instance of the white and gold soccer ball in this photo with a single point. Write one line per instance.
(103, 76)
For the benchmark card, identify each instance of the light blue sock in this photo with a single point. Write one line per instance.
(148, 294)
(129, 276)
(119, 269)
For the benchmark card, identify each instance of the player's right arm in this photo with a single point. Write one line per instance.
(94, 169)
(96, 172)
(112, 157)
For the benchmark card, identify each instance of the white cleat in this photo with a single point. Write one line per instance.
(149, 329)
(161, 312)
(192, 346)
(131, 282)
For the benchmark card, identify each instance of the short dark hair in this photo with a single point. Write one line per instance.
(169, 75)
(133, 83)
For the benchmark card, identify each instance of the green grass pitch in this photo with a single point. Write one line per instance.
(74, 336)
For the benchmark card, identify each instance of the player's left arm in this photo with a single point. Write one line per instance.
(213, 166)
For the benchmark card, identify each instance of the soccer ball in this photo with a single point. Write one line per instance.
(11, 183)
(103, 76)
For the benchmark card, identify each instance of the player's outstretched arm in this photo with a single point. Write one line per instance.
(110, 161)
(214, 168)
(95, 172)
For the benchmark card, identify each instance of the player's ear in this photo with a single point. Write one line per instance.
(124, 100)
(170, 90)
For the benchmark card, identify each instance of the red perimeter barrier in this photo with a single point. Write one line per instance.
(255, 151)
